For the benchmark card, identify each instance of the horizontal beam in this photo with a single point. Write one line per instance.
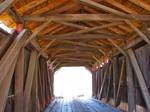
(84, 17)
(83, 44)
(65, 45)
(74, 17)
(73, 59)
(86, 56)
(71, 50)
(84, 36)
(74, 64)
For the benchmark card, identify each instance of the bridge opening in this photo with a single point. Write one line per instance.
(73, 82)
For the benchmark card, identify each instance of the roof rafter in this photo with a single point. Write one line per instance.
(83, 36)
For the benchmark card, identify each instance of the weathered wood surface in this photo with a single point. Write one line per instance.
(78, 105)
(140, 78)
(131, 88)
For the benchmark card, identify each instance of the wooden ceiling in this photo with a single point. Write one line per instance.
(80, 32)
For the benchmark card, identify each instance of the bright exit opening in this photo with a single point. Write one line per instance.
(73, 82)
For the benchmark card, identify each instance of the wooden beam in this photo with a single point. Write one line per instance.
(7, 44)
(50, 6)
(37, 31)
(94, 83)
(19, 82)
(73, 59)
(29, 80)
(30, 6)
(117, 46)
(74, 64)
(74, 17)
(142, 4)
(104, 80)
(140, 33)
(62, 46)
(113, 11)
(121, 80)
(108, 9)
(97, 60)
(140, 78)
(85, 17)
(5, 85)
(122, 6)
(69, 7)
(37, 47)
(82, 44)
(59, 50)
(47, 46)
(83, 36)
(19, 20)
(15, 16)
(7, 66)
(115, 73)
(34, 93)
(5, 4)
(110, 40)
(109, 82)
(91, 29)
(130, 87)
(71, 54)
(12, 53)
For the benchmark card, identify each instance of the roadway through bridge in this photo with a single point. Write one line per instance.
(79, 105)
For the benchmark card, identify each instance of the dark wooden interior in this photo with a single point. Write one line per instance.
(111, 38)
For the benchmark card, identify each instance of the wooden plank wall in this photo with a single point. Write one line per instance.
(26, 82)
(126, 84)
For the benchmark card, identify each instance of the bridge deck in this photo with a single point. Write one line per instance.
(76, 105)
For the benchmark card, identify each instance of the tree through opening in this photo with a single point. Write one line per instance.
(70, 82)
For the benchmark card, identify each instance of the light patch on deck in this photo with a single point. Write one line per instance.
(73, 82)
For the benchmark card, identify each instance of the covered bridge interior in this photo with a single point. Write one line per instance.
(111, 38)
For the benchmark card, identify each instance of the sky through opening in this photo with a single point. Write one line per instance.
(73, 82)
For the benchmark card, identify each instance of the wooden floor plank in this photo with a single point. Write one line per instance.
(79, 105)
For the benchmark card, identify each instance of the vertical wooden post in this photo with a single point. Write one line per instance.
(5, 85)
(109, 81)
(52, 82)
(9, 60)
(93, 83)
(19, 83)
(96, 84)
(43, 82)
(115, 73)
(121, 79)
(140, 78)
(98, 81)
(130, 87)
(104, 80)
(29, 79)
(12, 53)
(40, 86)
(34, 94)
